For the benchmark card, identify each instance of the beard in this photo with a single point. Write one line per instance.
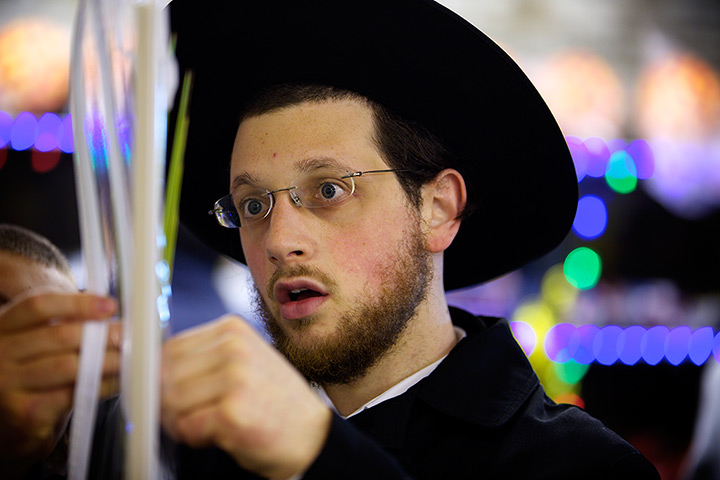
(367, 331)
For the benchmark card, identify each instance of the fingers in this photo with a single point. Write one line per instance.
(48, 340)
(41, 308)
(61, 370)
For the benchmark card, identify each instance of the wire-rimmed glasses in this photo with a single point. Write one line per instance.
(319, 188)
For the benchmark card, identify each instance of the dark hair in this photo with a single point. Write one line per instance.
(404, 145)
(28, 244)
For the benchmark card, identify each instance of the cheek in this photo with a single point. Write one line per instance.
(366, 253)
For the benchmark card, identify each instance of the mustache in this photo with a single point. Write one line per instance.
(300, 271)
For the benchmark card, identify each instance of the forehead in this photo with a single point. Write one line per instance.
(283, 142)
(19, 275)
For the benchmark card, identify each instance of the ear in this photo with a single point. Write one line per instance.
(443, 201)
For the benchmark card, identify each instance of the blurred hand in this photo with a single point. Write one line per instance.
(224, 385)
(40, 338)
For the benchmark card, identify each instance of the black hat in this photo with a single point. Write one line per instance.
(413, 56)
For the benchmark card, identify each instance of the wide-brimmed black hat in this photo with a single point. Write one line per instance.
(415, 57)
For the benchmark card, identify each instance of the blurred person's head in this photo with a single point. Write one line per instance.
(29, 261)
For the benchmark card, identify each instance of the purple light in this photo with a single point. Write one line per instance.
(6, 122)
(629, 342)
(591, 217)
(652, 345)
(48, 129)
(677, 344)
(581, 344)
(580, 156)
(716, 347)
(644, 159)
(557, 341)
(23, 131)
(525, 336)
(701, 344)
(598, 156)
(65, 137)
(605, 345)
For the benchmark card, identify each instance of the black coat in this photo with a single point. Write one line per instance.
(481, 414)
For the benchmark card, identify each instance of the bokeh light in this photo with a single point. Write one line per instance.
(580, 156)
(23, 131)
(49, 127)
(581, 344)
(621, 174)
(584, 93)
(557, 342)
(605, 345)
(525, 336)
(643, 158)
(629, 344)
(591, 217)
(65, 138)
(582, 268)
(556, 290)
(598, 156)
(677, 344)
(6, 122)
(701, 345)
(34, 70)
(652, 344)
(571, 371)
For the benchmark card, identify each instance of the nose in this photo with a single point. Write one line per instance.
(289, 238)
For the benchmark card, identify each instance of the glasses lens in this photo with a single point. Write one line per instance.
(225, 212)
(324, 187)
(253, 204)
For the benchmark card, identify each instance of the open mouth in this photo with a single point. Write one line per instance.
(303, 294)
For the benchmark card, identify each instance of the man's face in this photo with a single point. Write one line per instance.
(338, 285)
(19, 275)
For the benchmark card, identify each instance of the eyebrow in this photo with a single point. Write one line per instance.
(303, 166)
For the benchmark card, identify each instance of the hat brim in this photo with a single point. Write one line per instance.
(417, 58)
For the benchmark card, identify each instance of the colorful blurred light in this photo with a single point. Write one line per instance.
(621, 174)
(556, 290)
(34, 65)
(643, 158)
(49, 127)
(598, 156)
(700, 345)
(629, 344)
(580, 156)
(65, 138)
(582, 268)
(525, 336)
(652, 344)
(605, 345)
(571, 371)
(557, 341)
(584, 93)
(23, 131)
(677, 344)
(591, 217)
(6, 122)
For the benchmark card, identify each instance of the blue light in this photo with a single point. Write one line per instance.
(591, 217)
(629, 342)
(644, 159)
(48, 129)
(701, 344)
(557, 342)
(652, 345)
(676, 344)
(24, 131)
(598, 156)
(581, 344)
(6, 122)
(65, 137)
(605, 345)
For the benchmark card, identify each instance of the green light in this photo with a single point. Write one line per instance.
(621, 174)
(571, 372)
(582, 268)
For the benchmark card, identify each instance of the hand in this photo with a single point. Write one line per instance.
(40, 337)
(224, 385)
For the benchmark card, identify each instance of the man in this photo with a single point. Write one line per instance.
(41, 317)
(386, 151)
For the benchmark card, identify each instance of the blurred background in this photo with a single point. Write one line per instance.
(622, 319)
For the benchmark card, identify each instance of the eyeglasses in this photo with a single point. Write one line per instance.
(319, 188)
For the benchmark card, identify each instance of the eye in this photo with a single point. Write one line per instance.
(331, 191)
(254, 207)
